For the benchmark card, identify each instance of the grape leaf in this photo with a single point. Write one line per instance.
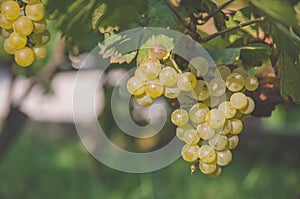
(255, 54)
(225, 56)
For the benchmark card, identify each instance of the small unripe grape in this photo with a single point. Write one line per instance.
(200, 65)
(40, 52)
(190, 152)
(135, 86)
(205, 131)
(207, 168)
(10, 9)
(219, 142)
(201, 90)
(41, 38)
(222, 72)
(180, 117)
(215, 118)
(235, 82)
(8, 48)
(241, 71)
(5, 23)
(236, 126)
(224, 157)
(172, 92)
(150, 69)
(251, 83)
(227, 109)
(186, 81)
(17, 40)
(158, 52)
(168, 76)
(144, 100)
(191, 137)
(181, 130)
(154, 88)
(198, 113)
(23, 25)
(39, 26)
(35, 12)
(24, 57)
(233, 141)
(207, 154)
(239, 100)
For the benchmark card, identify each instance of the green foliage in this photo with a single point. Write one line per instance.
(255, 54)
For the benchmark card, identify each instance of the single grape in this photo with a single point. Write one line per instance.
(219, 142)
(144, 100)
(216, 173)
(251, 83)
(190, 152)
(207, 154)
(200, 65)
(198, 113)
(158, 51)
(239, 100)
(186, 81)
(168, 76)
(235, 82)
(222, 72)
(224, 157)
(172, 92)
(8, 48)
(24, 57)
(207, 168)
(41, 38)
(236, 126)
(135, 86)
(35, 12)
(150, 69)
(182, 129)
(217, 87)
(40, 52)
(226, 129)
(233, 141)
(241, 71)
(5, 23)
(154, 88)
(17, 40)
(23, 25)
(249, 108)
(205, 131)
(180, 117)
(227, 109)
(39, 26)
(215, 118)
(191, 137)
(10, 9)
(201, 90)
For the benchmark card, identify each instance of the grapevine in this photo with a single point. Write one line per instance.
(24, 28)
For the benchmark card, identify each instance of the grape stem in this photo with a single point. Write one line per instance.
(174, 63)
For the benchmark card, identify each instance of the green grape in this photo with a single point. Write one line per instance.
(227, 109)
(23, 25)
(201, 90)
(24, 57)
(219, 142)
(158, 51)
(226, 129)
(190, 152)
(198, 113)
(217, 87)
(191, 137)
(205, 131)
(251, 83)
(168, 76)
(180, 117)
(241, 71)
(41, 38)
(212, 101)
(10, 9)
(186, 81)
(182, 129)
(144, 100)
(31, 1)
(154, 88)
(249, 108)
(5, 23)
(222, 71)
(224, 157)
(8, 48)
(236, 126)
(39, 26)
(17, 40)
(40, 52)
(135, 86)
(200, 65)
(215, 118)
(235, 82)
(233, 141)
(150, 69)
(207, 154)
(35, 12)
(239, 100)
(216, 173)
(207, 168)
(172, 92)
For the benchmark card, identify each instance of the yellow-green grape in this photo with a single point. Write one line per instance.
(172, 92)
(205, 131)
(10, 9)
(135, 86)
(191, 137)
(251, 83)
(222, 72)
(24, 57)
(35, 12)
(41, 38)
(182, 129)
(212, 101)
(217, 87)
(31, 1)
(201, 90)
(40, 52)
(158, 51)
(168, 76)
(215, 118)
(154, 88)
(39, 26)
(207, 154)
(200, 65)
(241, 71)
(198, 113)
(23, 25)
(235, 82)
(207, 168)
(180, 117)
(8, 48)
(5, 23)
(249, 108)
(190, 152)
(233, 141)
(226, 129)
(150, 69)
(227, 109)
(224, 157)
(144, 100)
(236, 126)
(216, 173)
(17, 40)
(219, 142)
(186, 81)
(238, 100)
(238, 115)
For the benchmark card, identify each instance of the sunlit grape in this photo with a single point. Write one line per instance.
(150, 69)
(17, 40)
(207, 154)
(224, 157)
(251, 83)
(200, 65)
(249, 108)
(190, 152)
(182, 129)
(236, 126)
(186, 81)
(239, 100)
(135, 86)
(35, 12)
(172, 92)
(233, 141)
(217, 87)
(235, 82)
(215, 118)
(23, 25)
(207, 168)
(5, 23)
(8, 48)
(205, 131)
(168, 76)
(10, 9)
(154, 88)
(180, 117)
(219, 142)
(40, 52)
(227, 109)
(191, 137)
(144, 100)
(198, 113)
(24, 57)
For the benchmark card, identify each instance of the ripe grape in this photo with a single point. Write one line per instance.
(201, 90)
(249, 108)
(241, 71)
(158, 51)
(154, 88)
(200, 65)
(227, 109)
(17, 40)
(235, 82)
(8, 48)
(239, 100)
(35, 12)
(24, 57)
(215, 118)
(251, 83)
(10, 9)
(224, 157)
(186, 81)
(205, 131)
(135, 86)
(219, 142)
(190, 152)
(191, 137)
(237, 126)
(207, 168)
(198, 113)
(226, 129)
(233, 141)
(172, 92)
(149, 70)
(207, 154)
(40, 52)
(182, 129)
(168, 76)
(23, 25)
(217, 87)
(216, 173)
(222, 71)
(212, 101)
(144, 100)
(180, 117)
(5, 23)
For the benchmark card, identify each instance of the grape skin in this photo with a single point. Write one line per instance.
(186, 81)
(215, 118)
(24, 57)
(23, 25)
(35, 12)
(10, 9)
(180, 117)
(168, 76)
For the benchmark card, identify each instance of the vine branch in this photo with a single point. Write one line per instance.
(219, 9)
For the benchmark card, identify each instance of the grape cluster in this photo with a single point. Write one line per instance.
(210, 125)
(25, 30)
